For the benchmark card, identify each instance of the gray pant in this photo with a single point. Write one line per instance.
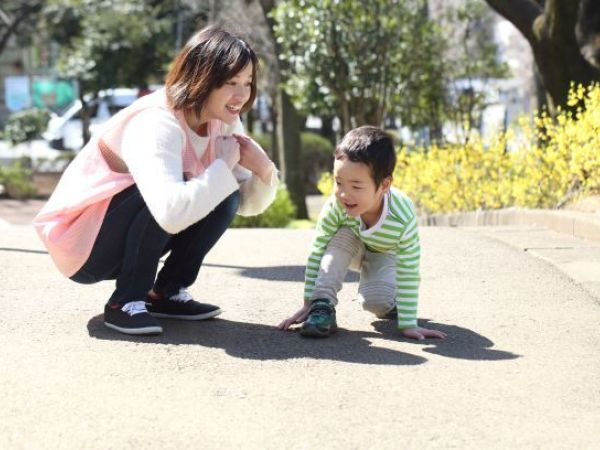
(377, 287)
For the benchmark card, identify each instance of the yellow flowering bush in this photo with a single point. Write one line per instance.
(556, 159)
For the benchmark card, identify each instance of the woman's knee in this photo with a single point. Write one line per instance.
(230, 206)
(82, 276)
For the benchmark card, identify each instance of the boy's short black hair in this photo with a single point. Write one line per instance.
(371, 146)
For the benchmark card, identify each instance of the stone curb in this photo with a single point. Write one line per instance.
(578, 224)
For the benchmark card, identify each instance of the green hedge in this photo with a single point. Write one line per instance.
(278, 215)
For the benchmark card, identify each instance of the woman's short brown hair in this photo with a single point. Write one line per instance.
(209, 58)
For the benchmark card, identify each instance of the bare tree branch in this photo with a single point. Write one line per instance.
(21, 16)
(521, 13)
(5, 17)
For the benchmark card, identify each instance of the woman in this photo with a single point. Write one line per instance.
(167, 173)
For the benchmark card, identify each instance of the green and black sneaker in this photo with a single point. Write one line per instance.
(321, 319)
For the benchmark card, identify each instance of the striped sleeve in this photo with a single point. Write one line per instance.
(408, 255)
(329, 221)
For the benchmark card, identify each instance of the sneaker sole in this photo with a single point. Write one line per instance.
(205, 316)
(316, 333)
(135, 331)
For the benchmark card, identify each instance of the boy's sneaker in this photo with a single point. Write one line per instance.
(181, 306)
(392, 314)
(131, 318)
(321, 319)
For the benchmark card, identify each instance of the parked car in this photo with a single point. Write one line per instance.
(65, 130)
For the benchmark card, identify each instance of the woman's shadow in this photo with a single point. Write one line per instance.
(262, 342)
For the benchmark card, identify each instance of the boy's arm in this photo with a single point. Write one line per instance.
(329, 221)
(408, 255)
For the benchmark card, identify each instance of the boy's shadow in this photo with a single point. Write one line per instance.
(262, 342)
(461, 343)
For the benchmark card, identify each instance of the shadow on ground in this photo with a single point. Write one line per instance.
(276, 273)
(461, 343)
(262, 342)
(23, 250)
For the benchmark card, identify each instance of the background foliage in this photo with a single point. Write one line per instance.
(26, 125)
(543, 170)
(278, 215)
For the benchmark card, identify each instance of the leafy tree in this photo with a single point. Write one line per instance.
(346, 58)
(289, 123)
(17, 17)
(549, 27)
(421, 101)
(108, 43)
(472, 62)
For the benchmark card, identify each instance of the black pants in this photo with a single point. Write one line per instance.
(130, 244)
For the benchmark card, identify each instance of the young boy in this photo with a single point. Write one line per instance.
(369, 222)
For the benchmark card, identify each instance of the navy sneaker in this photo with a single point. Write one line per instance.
(181, 306)
(131, 318)
(321, 319)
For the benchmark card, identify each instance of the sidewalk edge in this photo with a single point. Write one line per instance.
(581, 225)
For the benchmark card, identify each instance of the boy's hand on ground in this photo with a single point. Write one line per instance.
(422, 333)
(299, 317)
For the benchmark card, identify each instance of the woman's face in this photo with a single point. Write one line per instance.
(224, 103)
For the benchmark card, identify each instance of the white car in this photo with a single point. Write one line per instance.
(65, 131)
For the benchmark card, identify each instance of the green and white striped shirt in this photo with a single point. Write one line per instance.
(396, 232)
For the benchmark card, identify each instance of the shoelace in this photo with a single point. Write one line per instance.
(133, 308)
(182, 296)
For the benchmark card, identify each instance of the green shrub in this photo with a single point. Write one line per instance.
(16, 180)
(26, 125)
(325, 184)
(278, 215)
(535, 173)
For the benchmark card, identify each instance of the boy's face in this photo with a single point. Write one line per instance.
(356, 191)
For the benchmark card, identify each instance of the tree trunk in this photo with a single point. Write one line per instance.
(288, 130)
(550, 31)
(250, 121)
(288, 136)
(275, 147)
(86, 117)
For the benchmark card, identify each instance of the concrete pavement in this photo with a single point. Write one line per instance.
(520, 368)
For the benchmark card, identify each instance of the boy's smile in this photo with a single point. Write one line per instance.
(356, 191)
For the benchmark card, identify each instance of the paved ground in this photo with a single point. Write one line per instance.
(520, 368)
